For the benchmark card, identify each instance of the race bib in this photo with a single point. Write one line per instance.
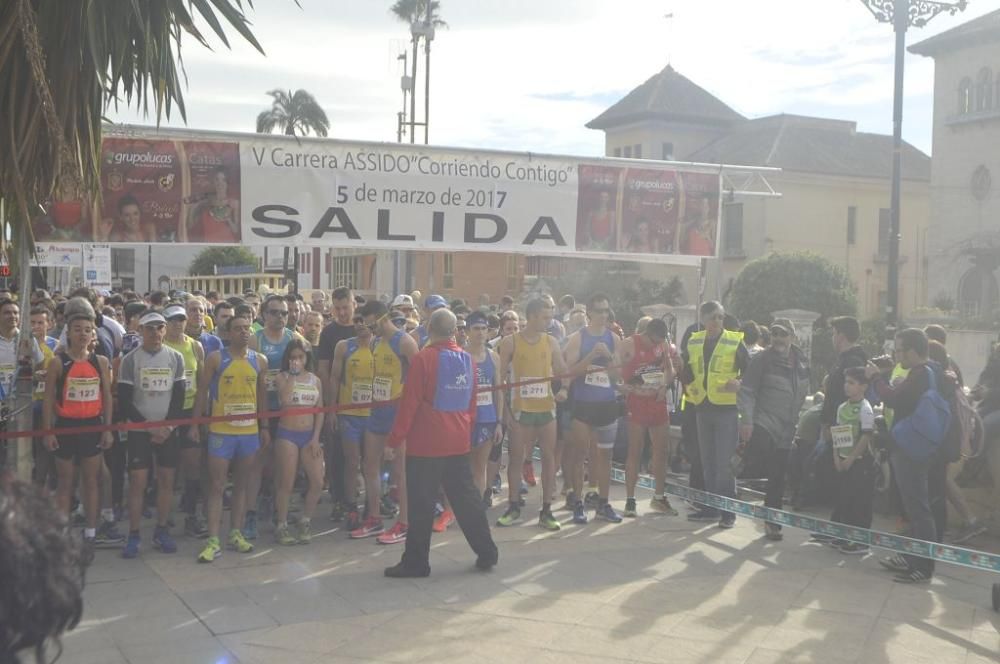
(188, 379)
(382, 388)
(83, 389)
(40, 384)
(597, 379)
(7, 373)
(843, 437)
(361, 393)
(653, 379)
(484, 398)
(240, 409)
(538, 388)
(271, 380)
(156, 379)
(304, 395)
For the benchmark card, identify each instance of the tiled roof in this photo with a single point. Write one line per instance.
(984, 29)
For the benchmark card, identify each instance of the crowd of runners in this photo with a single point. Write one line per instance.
(304, 395)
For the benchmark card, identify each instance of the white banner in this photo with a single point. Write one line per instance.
(49, 254)
(97, 266)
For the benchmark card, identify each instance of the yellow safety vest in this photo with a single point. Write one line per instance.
(721, 369)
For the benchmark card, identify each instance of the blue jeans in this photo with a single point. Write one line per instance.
(718, 437)
(911, 479)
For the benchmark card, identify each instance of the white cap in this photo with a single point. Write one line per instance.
(174, 310)
(152, 318)
(403, 301)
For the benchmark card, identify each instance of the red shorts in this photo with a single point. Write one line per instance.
(647, 411)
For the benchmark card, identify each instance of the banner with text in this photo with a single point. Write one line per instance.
(207, 188)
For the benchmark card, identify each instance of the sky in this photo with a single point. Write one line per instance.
(529, 74)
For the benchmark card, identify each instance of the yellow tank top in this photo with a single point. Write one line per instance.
(356, 378)
(234, 392)
(186, 349)
(39, 375)
(388, 380)
(532, 361)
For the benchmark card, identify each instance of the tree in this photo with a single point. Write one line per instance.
(791, 280)
(411, 11)
(294, 114)
(208, 259)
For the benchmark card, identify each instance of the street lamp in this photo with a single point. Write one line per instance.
(902, 14)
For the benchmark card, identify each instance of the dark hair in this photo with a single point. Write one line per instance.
(239, 315)
(847, 326)
(158, 298)
(937, 352)
(295, 343)
(127, 199)
(534, 306)
(751, 333)
(235, 300)
(373, 308)
(913, 339)
(342, 293)
(493, 321)
(133, 309)
(595, 298)
(857, 374)
(461, 310)
(243, 311)
(567, 301)
(115, 300)
(506, 299)
(39, 310)
(221, 305)
(657, 327)
(731, 323)
(936, 333)
(765, 336)
(273, 297)
(6, 301)
(43, 565)
(88, 294)
(709, 307)
(212, 294)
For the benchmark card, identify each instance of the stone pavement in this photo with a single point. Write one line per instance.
(647, 590)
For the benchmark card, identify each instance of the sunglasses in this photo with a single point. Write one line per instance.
(277, 312)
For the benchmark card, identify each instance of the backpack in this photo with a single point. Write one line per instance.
(921, 434)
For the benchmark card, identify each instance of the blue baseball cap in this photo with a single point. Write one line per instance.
(476, 318)
(435, 302)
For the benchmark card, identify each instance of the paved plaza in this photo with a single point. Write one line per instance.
(648, 590)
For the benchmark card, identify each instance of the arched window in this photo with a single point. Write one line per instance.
(965, 96)
(978, 294)
(984, 90)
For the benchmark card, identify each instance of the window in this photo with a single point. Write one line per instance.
(732, 231)
(984, 90)
(637, 151)
(512, 285)
(449, 270)
(628, 152)
(852, 225)
(965, 96)
(345, 271)
(884, 232)
(668, 152)
(617, 152)
(122, 261)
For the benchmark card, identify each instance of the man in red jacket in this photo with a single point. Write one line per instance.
(435, 418)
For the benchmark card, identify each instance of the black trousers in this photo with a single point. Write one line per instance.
(689, 439)
(856, 494)
(424, 476)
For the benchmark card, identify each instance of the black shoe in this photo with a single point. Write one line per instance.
(727, 521)
(854, 549)
(914, 576)
(895, 563)
(772, 531)
(401, 571)
(486, 564)
(703, 515)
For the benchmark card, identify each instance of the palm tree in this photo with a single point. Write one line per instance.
(413, 13)
(294, 114)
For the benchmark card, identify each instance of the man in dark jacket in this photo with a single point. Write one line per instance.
(772, 392)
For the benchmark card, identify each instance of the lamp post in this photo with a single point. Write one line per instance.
(902, 14)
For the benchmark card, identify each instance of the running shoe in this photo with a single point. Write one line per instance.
(727, 521)
(912, 577)
(195, 526)
(337, 512)
(592, 500)
(607, 513)
(570, 501)
(510, 516)
(854, 549)
(630, 510)
(547, 521)
(283, 537)
(662, 505)
(895, 563)
(250, 526)
(211, 551)
(772, 531)
(163, 541)
(528, 473)
(131, 549)
(704, 515)
(237, 542)
(579, 513)
(353, 521)
(387, 508)
(497, 484)
(442, 522)
(969, 531)
(305, 534)
(521, 502)
(372, 526)
(394, 535)
(108, 535)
